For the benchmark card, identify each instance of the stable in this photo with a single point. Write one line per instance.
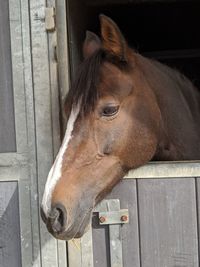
(153, 214)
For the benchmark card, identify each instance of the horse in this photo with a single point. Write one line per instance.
(123, 111)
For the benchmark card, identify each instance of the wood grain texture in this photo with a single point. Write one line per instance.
(168, 223)
(198, 207)
(126, 192)
(43, 120)
(7, 127)
(10, 251)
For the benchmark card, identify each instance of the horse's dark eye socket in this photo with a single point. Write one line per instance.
(110, 110)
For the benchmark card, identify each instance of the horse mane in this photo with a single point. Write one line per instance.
(84, 87)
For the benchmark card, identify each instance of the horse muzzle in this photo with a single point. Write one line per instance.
(56, 223)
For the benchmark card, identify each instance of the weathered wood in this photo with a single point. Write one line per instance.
(126, 193)
(18, 74)
(21, 166)
(62, 55)
(55, 113)
(18, 47)
(168, 223)
(87, 249)
(74, 253)
(154, 170)
(80, 251)
(43, 121)
(30, 156)
(198, 208)
(7, 128)
(115, 238)
(10, 247)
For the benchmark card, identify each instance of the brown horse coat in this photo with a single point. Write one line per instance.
(123, 111)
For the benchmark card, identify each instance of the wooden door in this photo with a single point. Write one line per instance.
(15, 219)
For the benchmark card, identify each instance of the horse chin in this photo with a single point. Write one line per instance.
(82, 231)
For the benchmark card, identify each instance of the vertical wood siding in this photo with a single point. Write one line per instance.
(163, 226)
(126, 192)
(168, 222)
(10, 248)
(7, 129)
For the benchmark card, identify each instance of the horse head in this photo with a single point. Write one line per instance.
(113, 126)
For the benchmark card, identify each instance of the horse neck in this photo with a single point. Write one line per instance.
(179, 104)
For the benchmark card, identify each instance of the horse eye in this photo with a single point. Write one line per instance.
(110, 111)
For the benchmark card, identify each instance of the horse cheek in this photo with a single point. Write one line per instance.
(138, 148)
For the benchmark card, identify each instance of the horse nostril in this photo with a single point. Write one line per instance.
(57, 218)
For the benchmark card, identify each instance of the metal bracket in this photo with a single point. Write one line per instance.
(50, 19)
(114, 217)
(110, 214)
(46, 16)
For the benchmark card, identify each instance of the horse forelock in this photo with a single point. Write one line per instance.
(84, 89)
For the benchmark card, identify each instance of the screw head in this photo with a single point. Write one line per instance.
(124, 218)
(102, 219)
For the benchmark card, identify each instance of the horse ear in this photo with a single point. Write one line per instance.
(113, 42)
(91, 44)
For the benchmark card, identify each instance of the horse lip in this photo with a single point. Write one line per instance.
(75, 230)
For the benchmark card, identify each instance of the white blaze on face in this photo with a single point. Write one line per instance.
(55, 172)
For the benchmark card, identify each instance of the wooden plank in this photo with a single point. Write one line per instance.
(166, 169)
(20, 175)
(10, 247)
(31, 139)
(25, 217)
(62, 54)
(7, 128)
(80, 251)
(55, 114)
(116, 257)
(87, 249)
(126, 192)
(198, 207)
(18, 74)
(168, 223)
(20, 171)
(74, 253)
(43, 122)
(10, 159)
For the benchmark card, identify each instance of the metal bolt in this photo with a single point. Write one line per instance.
(102, 219)
(124, 218)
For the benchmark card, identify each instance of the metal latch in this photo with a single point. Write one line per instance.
(114, 217)
(50, 18)
(111, 214)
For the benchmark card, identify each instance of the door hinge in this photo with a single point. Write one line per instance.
(50, 23)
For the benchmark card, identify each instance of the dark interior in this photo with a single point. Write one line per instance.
(165, 30)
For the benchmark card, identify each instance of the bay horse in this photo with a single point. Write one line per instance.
(123, 110)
